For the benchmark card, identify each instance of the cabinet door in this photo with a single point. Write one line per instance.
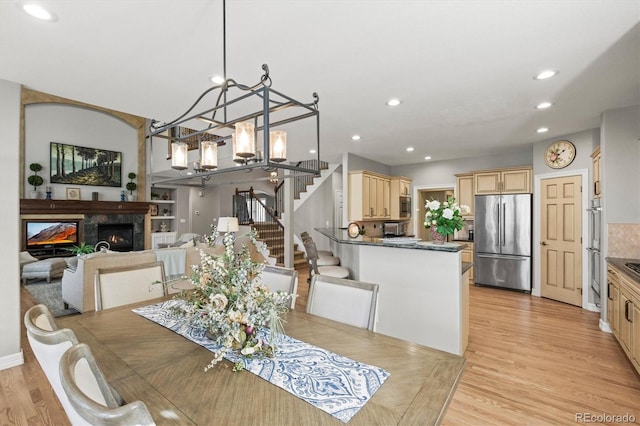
(596, 177)
(487, 183)
(626, 310)
(367, 202)
(464, 192)
(384, 192)
(613, 309)
(516, 181)
(635, 334)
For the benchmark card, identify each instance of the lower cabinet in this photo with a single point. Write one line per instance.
(467, 256)
(624, 296)
(164, 238)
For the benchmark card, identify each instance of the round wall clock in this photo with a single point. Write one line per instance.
(560, 154)
(353, 230)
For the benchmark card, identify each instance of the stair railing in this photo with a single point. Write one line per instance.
(253, 204)
(300, 183)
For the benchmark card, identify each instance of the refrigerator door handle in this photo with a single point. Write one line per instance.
(502, 256)
(499, 224)
(502, 225)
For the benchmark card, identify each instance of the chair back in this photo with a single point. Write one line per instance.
(92, 396)
(347, 301)
(281, 279)
(48, 343)
(129, 284)
(304, 236)
(312, 256)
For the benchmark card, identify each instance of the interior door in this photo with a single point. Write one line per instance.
(560, 239)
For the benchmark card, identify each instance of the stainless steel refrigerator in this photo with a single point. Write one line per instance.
(502, 242)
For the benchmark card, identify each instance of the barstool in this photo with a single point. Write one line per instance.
(325, 257)
(335, 271)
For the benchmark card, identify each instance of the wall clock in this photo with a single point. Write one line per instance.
(560, 154)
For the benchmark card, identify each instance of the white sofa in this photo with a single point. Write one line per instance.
(78, 288)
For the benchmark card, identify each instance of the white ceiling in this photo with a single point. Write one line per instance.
(463, 69)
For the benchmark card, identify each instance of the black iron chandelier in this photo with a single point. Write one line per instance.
(242, 116)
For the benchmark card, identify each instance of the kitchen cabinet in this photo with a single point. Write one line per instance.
(467, 257)
(162, 239)
(400, 187)
(613, 303)
(503, 181)
(464, 192)
(625, 315)
(595, 156)
(369, 196)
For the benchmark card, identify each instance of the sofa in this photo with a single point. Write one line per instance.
(78, 288)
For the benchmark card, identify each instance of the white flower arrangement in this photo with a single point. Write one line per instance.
(231, 303)
(445, 216)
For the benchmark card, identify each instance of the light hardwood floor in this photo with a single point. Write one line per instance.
(529, 361)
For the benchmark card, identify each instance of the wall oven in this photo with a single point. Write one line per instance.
(405, 206)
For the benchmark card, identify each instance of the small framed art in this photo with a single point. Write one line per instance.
(73, 193)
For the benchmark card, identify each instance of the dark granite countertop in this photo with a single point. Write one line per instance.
(466, 266)
(341, 236)
(619, 262)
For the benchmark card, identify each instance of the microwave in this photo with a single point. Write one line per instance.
(394, 229)
(405, 206)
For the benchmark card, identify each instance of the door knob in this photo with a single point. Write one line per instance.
(544, 243)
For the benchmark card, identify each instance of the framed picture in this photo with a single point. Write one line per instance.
(153, 209)
(73, 193)
(79, 165)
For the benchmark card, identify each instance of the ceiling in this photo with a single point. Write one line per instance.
(462, 69)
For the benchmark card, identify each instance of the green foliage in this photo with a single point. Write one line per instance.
(131, 186)
(35, 181)
(35, 167)
(445, 216)
(81, 249)
(132, 175)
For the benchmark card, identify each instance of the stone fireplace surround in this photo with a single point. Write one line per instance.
(92, 213)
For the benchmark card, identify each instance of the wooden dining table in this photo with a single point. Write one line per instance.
(148, 362)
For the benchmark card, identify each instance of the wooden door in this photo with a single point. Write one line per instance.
(561, 239)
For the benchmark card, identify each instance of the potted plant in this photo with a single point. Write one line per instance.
(131, 186)
(35, 180)
(81, 249)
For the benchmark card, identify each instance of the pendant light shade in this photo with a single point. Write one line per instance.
(244, 145)
(208, 155)
(178, 155)
(277, 145)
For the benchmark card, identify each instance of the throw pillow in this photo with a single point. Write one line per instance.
(187, 244)
(25, 257)
(72, 262)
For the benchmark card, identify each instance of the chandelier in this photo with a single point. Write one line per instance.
(251, 120)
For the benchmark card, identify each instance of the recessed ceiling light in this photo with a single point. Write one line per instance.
(409, 149)
(428, 157)
(545, 74)
(543, 130)
(216, 79)
(312, 151)
(355, 137)
(544, 105)
(393, 102)
(38, 12)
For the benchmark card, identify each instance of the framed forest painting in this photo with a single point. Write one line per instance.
(79, 165)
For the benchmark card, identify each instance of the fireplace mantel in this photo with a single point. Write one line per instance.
(32, 206)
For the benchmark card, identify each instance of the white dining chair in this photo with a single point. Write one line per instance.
(347, 301)
(89, 392)
(129, 284)
(281, 279)
(315, 269)
(48, 343)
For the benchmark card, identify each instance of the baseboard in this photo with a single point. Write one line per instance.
(12, 360)
(604, 326)
(592, 307)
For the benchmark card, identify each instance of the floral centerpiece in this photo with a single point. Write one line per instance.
(444, 218)
(231, 303)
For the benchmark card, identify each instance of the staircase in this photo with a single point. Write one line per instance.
(272, 235)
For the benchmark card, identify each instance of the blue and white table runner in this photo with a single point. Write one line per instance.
(333, 383)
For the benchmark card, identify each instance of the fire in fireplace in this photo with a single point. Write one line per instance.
(118, 235)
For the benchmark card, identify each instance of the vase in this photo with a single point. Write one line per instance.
(436, 237)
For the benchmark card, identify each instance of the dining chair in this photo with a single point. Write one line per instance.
(129, 284)
(316, 269)
(346, 301)
(281, 279)
(48, 343)
(92, 396)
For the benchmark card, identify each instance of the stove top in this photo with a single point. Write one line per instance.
(635, 267)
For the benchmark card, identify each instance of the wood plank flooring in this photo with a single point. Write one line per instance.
(529, 361)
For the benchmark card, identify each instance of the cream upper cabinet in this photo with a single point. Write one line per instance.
(369, 196)
(596, 173)
(400, 187)
(464, 192)
(505, 181)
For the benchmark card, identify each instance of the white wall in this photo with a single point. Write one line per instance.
(316, 212)
(45, 123)
(585, 142)
(10, 320)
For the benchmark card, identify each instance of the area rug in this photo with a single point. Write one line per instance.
(49, 294)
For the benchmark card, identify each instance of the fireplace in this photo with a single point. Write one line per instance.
(118, 235)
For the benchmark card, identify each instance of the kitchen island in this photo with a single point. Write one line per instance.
(424, 291)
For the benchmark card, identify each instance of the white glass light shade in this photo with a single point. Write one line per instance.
(244, 145)
(228, 224)
(208, 155)
(277, 145)
(178, 155)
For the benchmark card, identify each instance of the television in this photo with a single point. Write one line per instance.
(51, 233)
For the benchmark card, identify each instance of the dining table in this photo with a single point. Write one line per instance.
(145, 361)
